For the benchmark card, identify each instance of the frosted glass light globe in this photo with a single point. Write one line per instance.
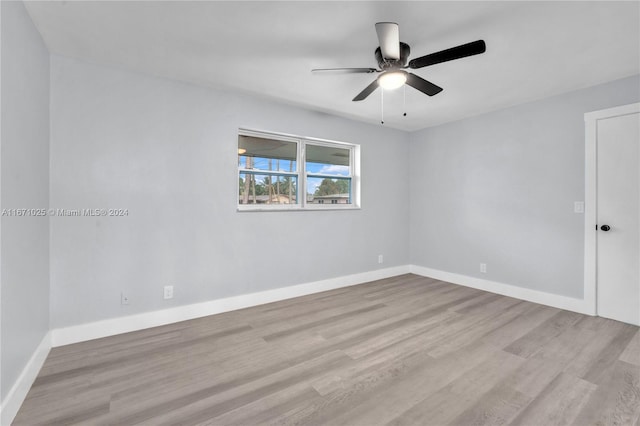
(392, 79)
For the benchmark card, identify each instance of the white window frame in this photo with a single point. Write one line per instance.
(302, 175)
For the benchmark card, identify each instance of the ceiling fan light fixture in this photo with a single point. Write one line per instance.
(392, 79)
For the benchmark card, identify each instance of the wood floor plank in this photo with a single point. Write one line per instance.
(592, 352)
(383, 339)
(201, 372)
(521, 325)
(320, 322)
(545, 332)
(394, 312)
(616, 401)
(631, 354)
(269, 409)
(478, 324)
(601, 367)
(371, 371)
(449, 399)
(140, 354)
(496, 407)
(275, 320)
(406, 350)
(557, 404)
(533, 376)
(206, 403)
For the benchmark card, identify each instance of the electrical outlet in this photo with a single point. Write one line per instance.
(168, 292)
(483, 268)
(380, 258)
(124, 298)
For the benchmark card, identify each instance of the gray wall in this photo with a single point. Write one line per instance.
(24, 169)
(499, 189)
(167, 151)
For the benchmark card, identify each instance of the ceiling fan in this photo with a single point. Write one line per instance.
(392, 56)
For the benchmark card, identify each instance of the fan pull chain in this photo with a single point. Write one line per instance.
(382, 106)
(404, 100)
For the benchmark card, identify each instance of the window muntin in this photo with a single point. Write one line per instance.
(276, 170)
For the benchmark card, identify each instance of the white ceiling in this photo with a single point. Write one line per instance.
(534, 49)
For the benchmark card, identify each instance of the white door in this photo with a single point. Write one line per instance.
(618, 217)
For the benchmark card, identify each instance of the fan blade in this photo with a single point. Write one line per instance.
(389, 38)
(345, 70)
(367, 91)
(423, 85)
(462, 51)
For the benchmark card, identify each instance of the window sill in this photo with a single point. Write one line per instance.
(243, 209)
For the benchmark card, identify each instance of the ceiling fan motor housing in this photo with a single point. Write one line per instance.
(387, 64)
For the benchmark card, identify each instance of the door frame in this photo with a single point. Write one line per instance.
(591, 197)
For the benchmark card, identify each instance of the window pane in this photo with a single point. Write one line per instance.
(327, 160)
(266, 154)
(267, 189)
(328, 190)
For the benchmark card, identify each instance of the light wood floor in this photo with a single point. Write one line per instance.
(402, 351)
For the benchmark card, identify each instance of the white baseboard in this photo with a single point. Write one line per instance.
(18, 392)
(549, 299)
(110, 327)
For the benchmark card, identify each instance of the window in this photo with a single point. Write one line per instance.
(281, 172)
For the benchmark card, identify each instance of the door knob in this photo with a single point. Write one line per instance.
(605, 228)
